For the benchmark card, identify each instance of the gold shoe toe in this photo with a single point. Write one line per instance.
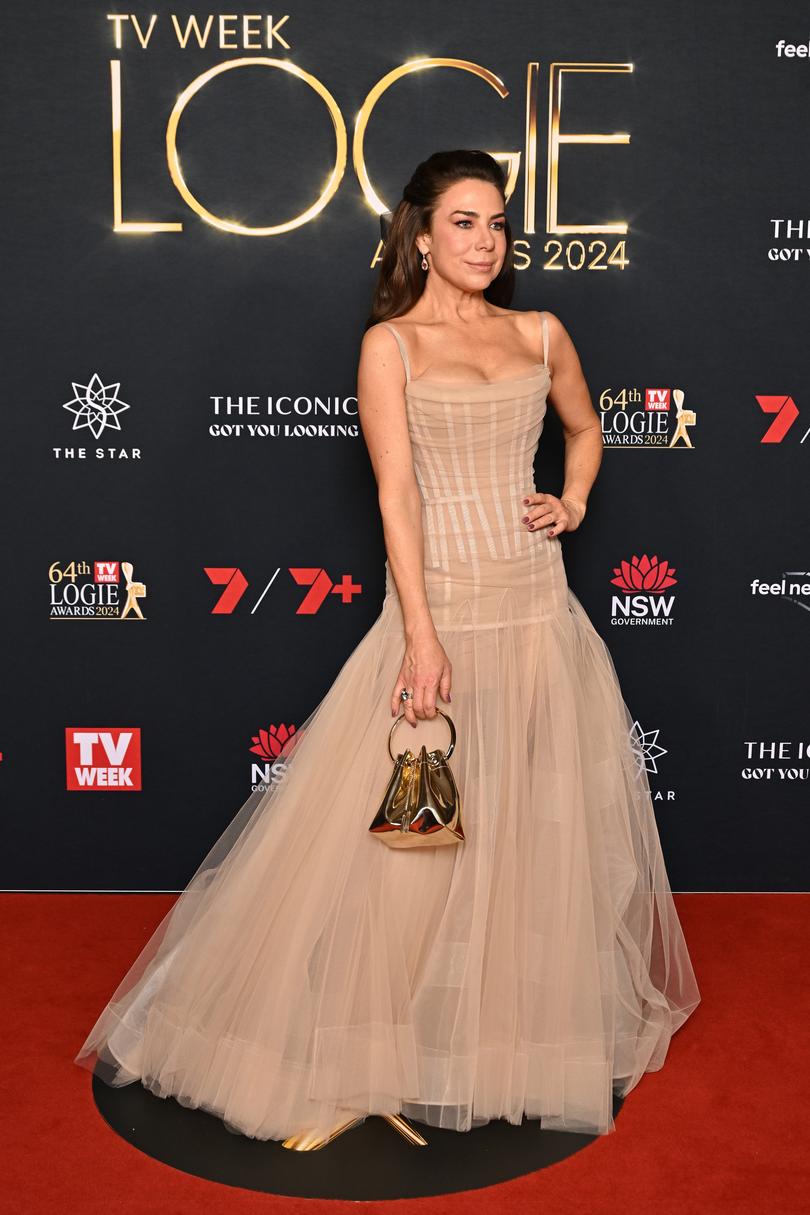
(312, 1138)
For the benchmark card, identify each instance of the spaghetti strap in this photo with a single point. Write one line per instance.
(402, 351)
(545, 339)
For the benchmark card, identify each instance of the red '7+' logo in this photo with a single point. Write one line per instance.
(235, 584)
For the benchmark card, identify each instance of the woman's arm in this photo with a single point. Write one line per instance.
(426, 669)
(581, 426)
(381, 406)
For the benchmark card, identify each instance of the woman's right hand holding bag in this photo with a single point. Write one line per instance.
(426, 670)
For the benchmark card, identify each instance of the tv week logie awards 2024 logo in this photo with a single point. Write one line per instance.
(95, 590)
(644, 418)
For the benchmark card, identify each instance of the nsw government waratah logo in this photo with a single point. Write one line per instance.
(274, 745)
(642, 579)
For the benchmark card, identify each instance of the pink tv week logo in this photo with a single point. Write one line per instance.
(641, 578)
(106, 571)
(235, 584)
(101, 757)
(657, 400)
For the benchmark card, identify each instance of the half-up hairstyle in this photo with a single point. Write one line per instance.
(401, 278)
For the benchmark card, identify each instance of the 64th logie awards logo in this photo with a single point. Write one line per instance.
(95, 590)
(631, 418)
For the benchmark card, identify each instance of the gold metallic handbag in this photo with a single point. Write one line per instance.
(421, 805)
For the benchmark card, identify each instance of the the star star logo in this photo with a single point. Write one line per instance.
(645, 748)
(96, 406)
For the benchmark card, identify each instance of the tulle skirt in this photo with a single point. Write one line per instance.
(535, 969)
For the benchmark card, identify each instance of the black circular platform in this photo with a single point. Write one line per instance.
(369, 1161)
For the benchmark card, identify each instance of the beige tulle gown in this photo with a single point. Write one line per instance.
(535, 969)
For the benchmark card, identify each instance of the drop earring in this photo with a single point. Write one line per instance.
(424, 261)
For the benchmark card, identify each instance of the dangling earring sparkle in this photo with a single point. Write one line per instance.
(424, 261)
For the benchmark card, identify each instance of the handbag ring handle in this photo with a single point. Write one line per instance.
(449, 721)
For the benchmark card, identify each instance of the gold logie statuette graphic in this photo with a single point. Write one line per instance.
(511, 159)
(135, 591)
(686, 417)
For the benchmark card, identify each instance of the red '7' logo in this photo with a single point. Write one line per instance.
(786, 414)
(235, 584)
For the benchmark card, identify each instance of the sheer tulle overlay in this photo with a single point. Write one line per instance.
(535, 969)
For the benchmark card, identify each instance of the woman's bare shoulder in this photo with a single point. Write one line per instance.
(379, 334)
(530, 324)
(536, 315)
(382, 360)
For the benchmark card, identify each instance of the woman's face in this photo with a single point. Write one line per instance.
(467, 240)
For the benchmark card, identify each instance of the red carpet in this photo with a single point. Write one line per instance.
(722, 1127)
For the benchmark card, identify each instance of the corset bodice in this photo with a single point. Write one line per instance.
(473, 447)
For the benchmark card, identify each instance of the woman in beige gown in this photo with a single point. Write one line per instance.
(309, 975)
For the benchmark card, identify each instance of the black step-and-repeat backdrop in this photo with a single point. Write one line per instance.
(192, 544)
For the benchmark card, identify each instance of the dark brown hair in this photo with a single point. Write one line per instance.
(401, 279)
